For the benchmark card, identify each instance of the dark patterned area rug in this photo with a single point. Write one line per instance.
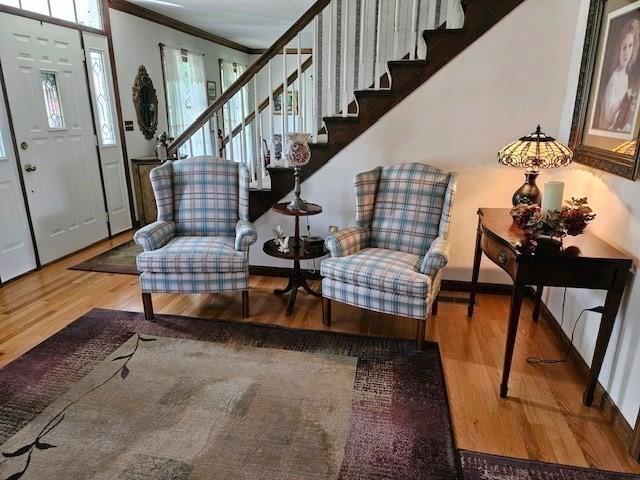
(482, 466)
(399, 424)
(120, 259)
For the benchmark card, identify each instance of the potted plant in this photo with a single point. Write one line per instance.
(548, 228)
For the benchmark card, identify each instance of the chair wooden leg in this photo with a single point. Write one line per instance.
(434, 307)
(147, 304)
(420, 332)
(245, 304)
(326, 312)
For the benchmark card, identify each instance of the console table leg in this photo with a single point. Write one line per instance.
(476, 270)
(536, 307)
(611, 305)
(514, 318)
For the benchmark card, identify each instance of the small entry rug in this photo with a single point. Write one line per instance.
(115, 396)
(482, 466)
(120, 259)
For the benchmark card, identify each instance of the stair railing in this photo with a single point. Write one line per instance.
(340, 46)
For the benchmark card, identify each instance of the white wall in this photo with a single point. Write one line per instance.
(497, 90)
(136, 42)
(457, 121)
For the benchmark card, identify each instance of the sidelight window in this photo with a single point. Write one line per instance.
(52, 103)
(102, 98)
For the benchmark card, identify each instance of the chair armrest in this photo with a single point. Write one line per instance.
(347, 242)
(246, 235)
(155, 235)
(436, 258)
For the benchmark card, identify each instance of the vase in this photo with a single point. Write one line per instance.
(298, 154)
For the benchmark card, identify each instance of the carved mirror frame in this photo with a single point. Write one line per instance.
(143, 83)
(616, 163)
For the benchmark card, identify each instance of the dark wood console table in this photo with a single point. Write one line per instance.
(584, 261)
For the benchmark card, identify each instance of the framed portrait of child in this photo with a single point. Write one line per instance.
(606, 117)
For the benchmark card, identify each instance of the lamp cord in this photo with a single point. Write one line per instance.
(309, 236)
(545, 361)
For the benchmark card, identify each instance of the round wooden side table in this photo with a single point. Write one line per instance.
(296, 252)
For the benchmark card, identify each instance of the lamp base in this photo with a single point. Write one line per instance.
(297, 203)
(529, 191)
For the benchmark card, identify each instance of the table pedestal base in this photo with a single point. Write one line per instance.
(296, 281)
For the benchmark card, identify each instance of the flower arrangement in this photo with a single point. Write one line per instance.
(571, 219)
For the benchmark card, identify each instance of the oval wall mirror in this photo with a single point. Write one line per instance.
(145, 101)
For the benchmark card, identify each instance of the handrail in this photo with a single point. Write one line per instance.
(249, 73)
(265, 103)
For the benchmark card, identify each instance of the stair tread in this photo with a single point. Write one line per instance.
(426, 34)
(415, 63)
(443, 30)
(340, 119)
(383, 92)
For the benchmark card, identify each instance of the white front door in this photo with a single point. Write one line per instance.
(108, 130)
(16, 250)
(49, 102)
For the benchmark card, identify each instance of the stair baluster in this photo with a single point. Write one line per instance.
(352, 43)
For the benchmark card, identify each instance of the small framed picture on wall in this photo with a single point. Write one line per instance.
(212, 92)
(292, 103)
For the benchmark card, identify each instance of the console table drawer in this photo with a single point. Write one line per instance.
(500, 255)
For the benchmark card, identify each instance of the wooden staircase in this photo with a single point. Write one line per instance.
(404, 76)
(401, 79)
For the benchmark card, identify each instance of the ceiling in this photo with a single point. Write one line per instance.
(253, 23)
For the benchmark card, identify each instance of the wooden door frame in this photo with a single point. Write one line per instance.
(106, 25)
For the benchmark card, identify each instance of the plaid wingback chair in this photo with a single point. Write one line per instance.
(200, 242)
(391, 261)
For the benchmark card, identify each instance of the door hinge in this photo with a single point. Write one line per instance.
(95, 137)
(106, 217)
(84, 56)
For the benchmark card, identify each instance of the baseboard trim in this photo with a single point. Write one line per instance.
(487, 288)
(623, 430)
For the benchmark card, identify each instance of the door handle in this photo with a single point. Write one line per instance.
(30, 168)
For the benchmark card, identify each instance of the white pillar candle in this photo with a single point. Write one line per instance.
(552, 196)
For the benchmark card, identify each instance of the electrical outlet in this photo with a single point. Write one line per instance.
(333, 229)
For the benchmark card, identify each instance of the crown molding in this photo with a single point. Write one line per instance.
(145, 13)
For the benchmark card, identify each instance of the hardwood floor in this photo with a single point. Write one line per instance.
(543, 419)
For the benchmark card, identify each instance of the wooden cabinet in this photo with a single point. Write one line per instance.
(145, 201)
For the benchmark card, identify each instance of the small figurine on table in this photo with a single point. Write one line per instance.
(281, 240)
